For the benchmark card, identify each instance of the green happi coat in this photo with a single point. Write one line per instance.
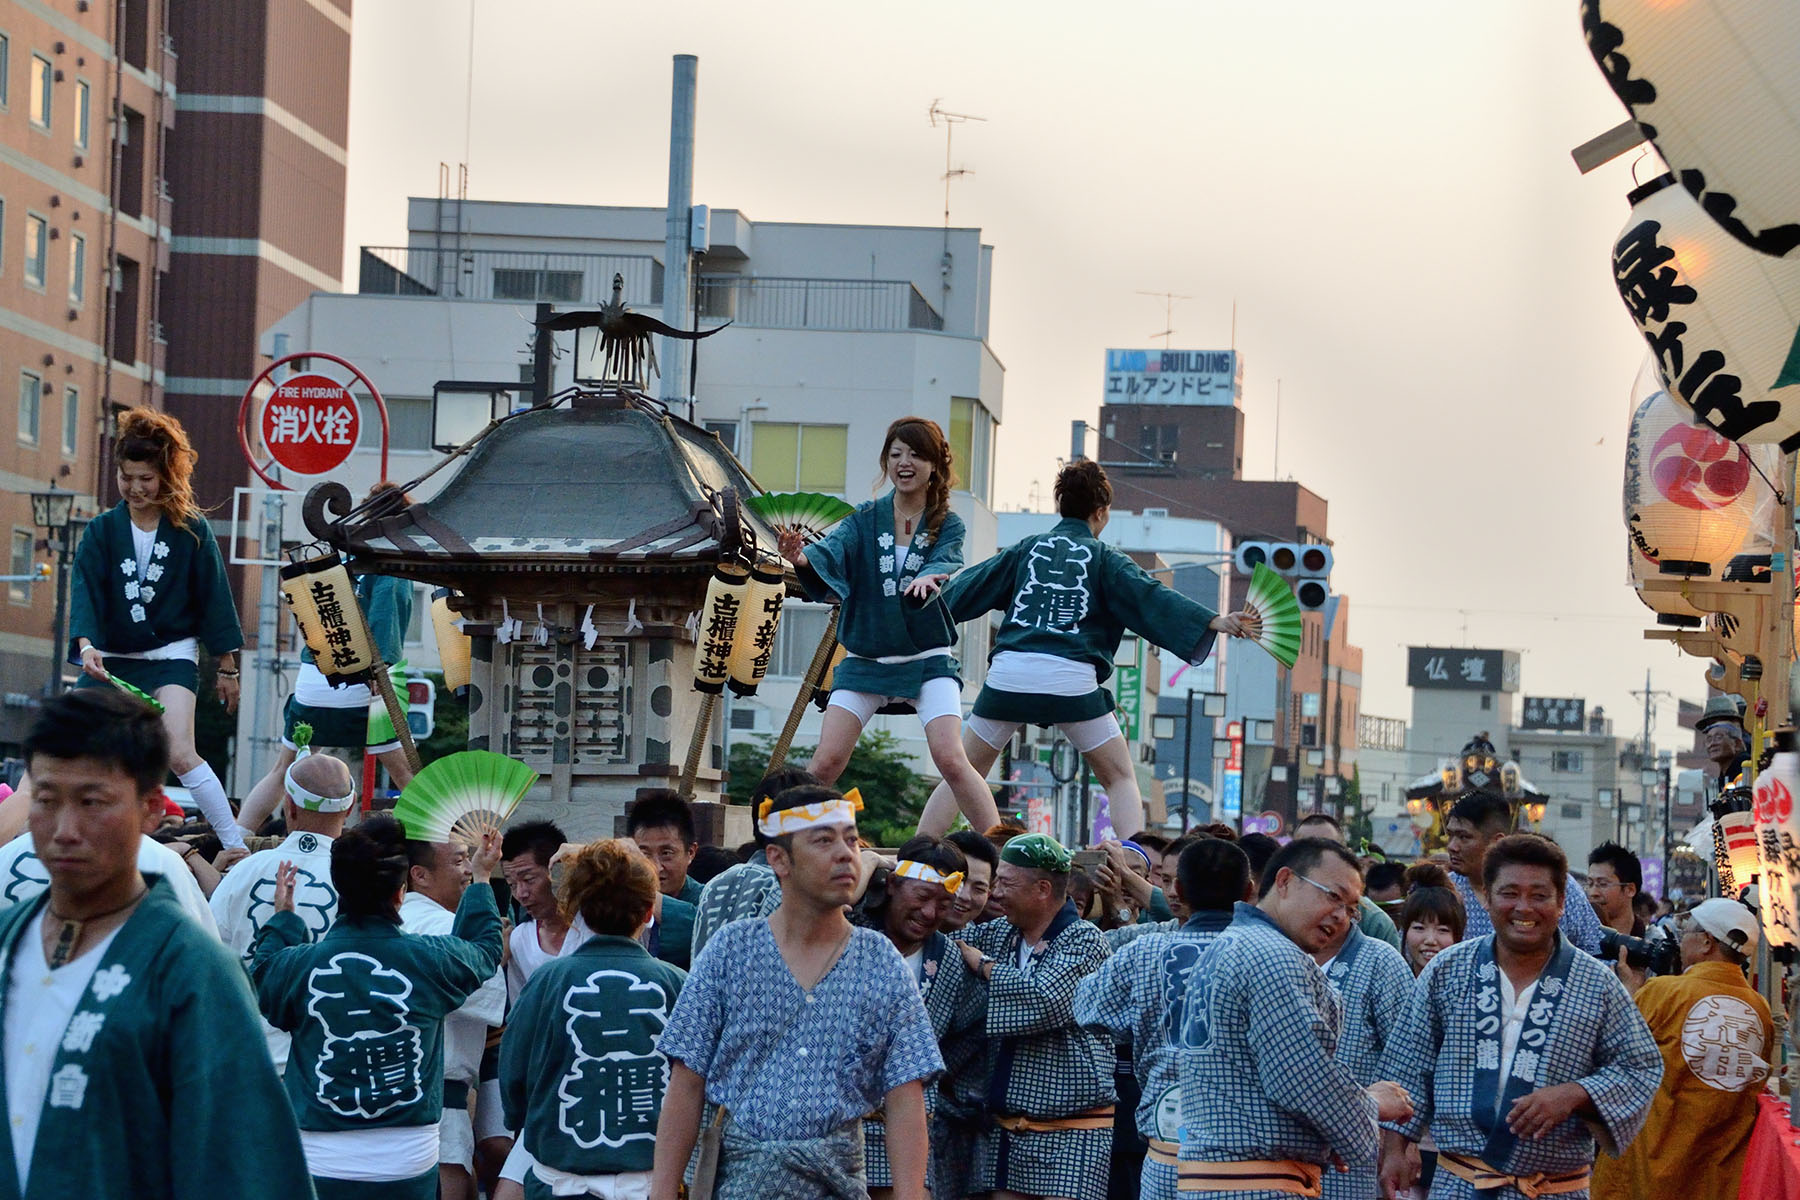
(1068, 594)
(366, 1004)
(160, 1065)
(580, 1075)
(183, 592)
(855, 566)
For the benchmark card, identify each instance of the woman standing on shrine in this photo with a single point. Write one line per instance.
(150, 589)
(366, 1004)
(884, 565)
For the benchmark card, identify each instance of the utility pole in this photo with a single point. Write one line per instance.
(1646, 767)
(678, 230)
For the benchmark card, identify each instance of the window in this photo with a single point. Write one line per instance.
(796, 639)
(409, 422)
(743, 716)
(83, 94)
(31, 397)
(971, 443)
(37, 249)
(40, 91)
(1565, 761)
(24, 542)
(127, 285)
(1571, 812)
(71, 433)
(133, 144)
(806, 458)
(1487, 702)
(415, 624)
(5, 68)
(727, 431)
(77, 268)
(512, 283)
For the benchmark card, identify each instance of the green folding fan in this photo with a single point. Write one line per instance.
(461, 796)
(133, 690)
(809, 514)
(1277, 614)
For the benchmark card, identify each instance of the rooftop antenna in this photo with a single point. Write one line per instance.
(1168, 299)
(949, 120)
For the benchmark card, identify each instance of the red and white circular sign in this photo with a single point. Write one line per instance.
(310, 424)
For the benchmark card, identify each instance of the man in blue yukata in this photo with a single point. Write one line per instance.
(1475, 823)
(793, 1027)
(1521, 1051)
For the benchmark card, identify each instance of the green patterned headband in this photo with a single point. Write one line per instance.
(1038, 851)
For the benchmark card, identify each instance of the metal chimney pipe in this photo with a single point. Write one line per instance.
(677, 259)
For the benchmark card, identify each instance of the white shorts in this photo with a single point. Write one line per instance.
(489, 1120)
(1086, 736)
(456, 1139)
(940, 697)
(518, 1163)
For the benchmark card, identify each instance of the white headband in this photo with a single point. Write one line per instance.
(312, 801)
(835, 812)
(907, 868)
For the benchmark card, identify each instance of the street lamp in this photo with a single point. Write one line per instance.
(53, 510)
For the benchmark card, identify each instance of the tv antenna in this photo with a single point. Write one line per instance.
(1168, 299)
(949, 120)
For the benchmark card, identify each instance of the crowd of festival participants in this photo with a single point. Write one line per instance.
(317, 1005)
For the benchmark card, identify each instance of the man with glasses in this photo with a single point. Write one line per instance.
(1266, 1107)
(1716, 1041)
(1614, 877)
(1519, 1050)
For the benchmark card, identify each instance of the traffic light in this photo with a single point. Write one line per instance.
(1306, 566)
(421, 705)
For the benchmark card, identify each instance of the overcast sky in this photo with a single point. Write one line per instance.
(1383, 188)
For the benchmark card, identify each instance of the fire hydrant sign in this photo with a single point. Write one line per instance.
(310, 424)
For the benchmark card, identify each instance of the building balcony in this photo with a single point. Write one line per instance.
(526, 276)
(790, 303)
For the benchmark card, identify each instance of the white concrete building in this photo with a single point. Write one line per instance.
(836, 330)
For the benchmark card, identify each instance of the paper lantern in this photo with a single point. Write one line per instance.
(1690, 497)
(1734, 836)
(754, 646)
(1716, 87)
(1776, 818)
(726, 593)
(1719, 317)
(454, 646)
(323, 598)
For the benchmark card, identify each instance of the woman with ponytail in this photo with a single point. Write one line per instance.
(150, 590)
(884, 565)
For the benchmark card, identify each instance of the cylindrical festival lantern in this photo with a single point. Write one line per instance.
(1734, 837)
(726, 593)
(454, 646)
(1777, 826)
(1688, 498)
(1716, 87)
(1718, 316)
(322, 596)
(754, 645)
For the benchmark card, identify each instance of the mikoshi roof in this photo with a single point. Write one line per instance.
(565, 489)
(1432, 785)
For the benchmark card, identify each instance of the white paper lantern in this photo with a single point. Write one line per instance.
(754, 645)
(1720, 319)
(1690, 498)
(1776, 817)
(1716, 87)
(726, 592)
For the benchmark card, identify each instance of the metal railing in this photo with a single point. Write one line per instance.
(778, 303)
(524, 275)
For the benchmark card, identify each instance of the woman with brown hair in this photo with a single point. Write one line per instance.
(884, 565)
(150, 590)
(580, 1074)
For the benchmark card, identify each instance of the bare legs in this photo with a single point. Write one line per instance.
(962, 783)
(940, 810)
(1111, 764)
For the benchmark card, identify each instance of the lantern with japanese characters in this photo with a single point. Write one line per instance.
(1716, 87)
(322, 597)
(1719, 317)
(755, 640)
(1778, 842)
(1734, 837)
(1689, 502)
(726, 594)
(454, 646)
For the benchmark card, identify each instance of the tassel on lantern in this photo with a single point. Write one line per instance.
(754, 644)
